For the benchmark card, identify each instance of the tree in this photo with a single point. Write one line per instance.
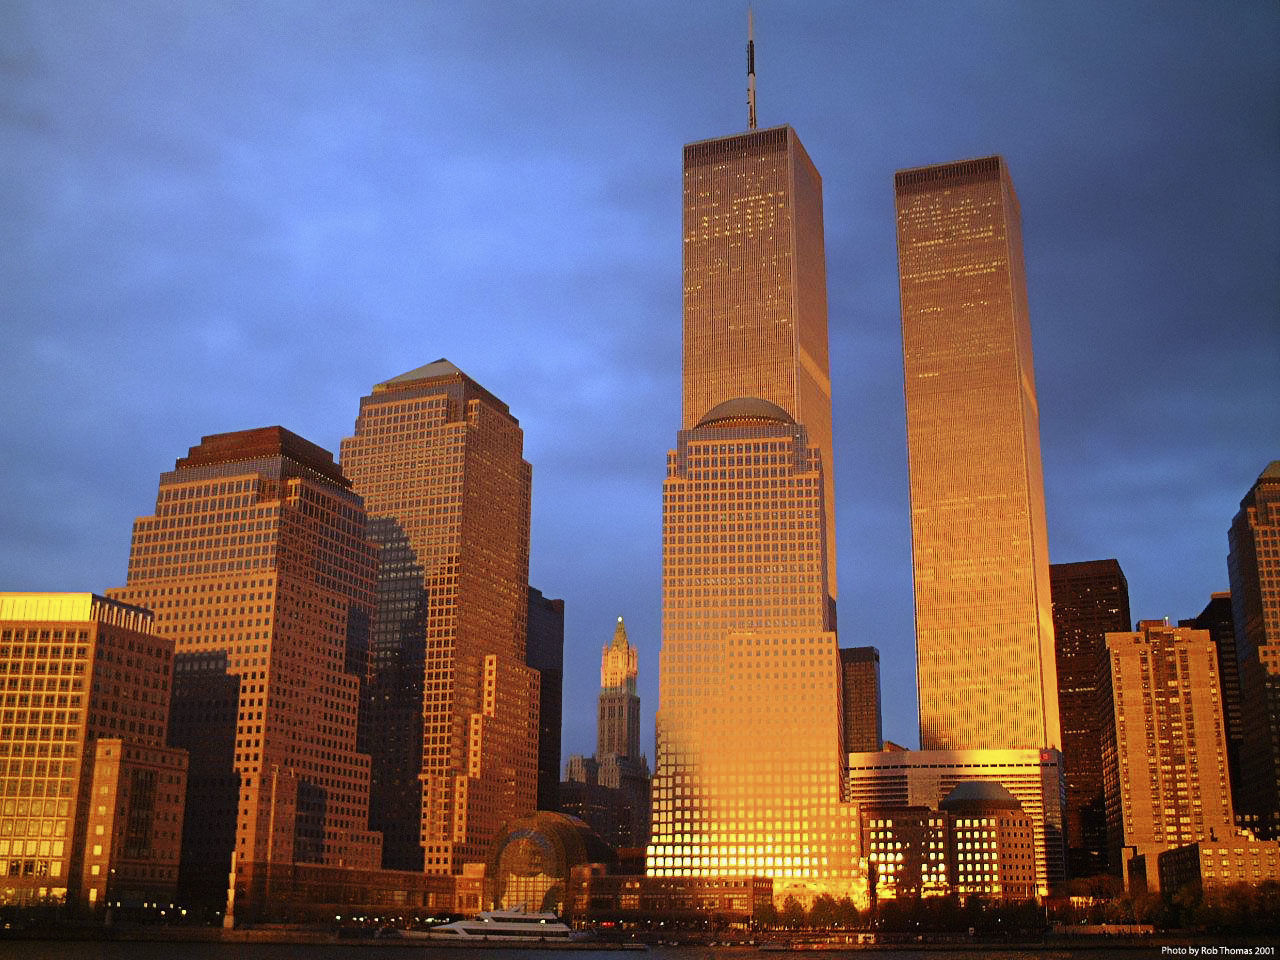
(793, 916)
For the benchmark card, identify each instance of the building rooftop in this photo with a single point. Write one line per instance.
(428, 371)
(979, 794)
(745, 408)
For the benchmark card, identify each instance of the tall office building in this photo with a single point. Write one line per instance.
(749, 763)
(1254, 566)
(618, 718)
(544, 651)
(91, 798)
(439, 462)
(860, 679)
(984, 628)
(1090, 600)
(755, 287)
(1166, 764)
(1218, 619)
(257, 568)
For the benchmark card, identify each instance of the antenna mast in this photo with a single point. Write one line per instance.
(751, 72)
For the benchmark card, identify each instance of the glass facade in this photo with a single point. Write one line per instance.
(755, 286)
(984, 630)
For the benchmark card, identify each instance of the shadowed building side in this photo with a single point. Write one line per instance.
(439, 462)
(256, 565)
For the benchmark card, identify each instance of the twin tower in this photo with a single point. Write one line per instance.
(750, 755)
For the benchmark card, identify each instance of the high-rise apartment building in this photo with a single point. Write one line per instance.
(1254, 566)
(749, 763)
(257, 568)
(1166, 768)
(860, 680)
(439, 462)
(618, 717)
(544, 651)
(1217, 617)
(755, 287)
(1090, 600)
(984, 628)
(91, 798)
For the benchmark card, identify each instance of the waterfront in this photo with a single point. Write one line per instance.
(135, 950)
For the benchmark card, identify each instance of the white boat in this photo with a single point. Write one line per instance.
(510, 925)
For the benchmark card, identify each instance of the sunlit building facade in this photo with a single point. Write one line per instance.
(1090, 600)
(1254, 567)
(984, 630)
(1166, 768)
(924, 779)
(91, 798)
(755, 287)
(749, 765)
(439, 462)
(618, 715)
(257, 568)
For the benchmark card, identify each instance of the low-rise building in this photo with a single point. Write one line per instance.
(1219, 863)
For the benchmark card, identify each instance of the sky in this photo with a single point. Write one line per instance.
(215, 217)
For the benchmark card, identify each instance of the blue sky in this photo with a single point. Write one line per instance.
(217, 217)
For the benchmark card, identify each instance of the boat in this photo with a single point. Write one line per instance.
(508, 925)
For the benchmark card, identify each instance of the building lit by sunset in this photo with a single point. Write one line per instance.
(618, 715)
(1166, 761)
(984, 630)
(922, 779)
(755, 286)
(91, 798)
(749, 764)
(257, 568)
(452, 712)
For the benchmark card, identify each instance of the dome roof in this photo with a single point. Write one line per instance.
(745, 408)
(980, 794)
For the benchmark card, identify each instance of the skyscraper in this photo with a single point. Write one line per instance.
(1218, 619)
(618, 720)
(98, 797)
(1090, 600)
(544, 651)
(1166, 763)
(984, 629)
(611, 790)
(439, 462)
(256, 566)
(749, 762)
(755, 287)
(1254, 567)
(860, 677)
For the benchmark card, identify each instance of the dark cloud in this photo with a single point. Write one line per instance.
(222, 218)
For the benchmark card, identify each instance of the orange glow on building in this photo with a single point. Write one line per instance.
(1165, 759)
(755, 287)
(749, 762)
(618, 718)
(453, 720)
(984, 628)
(256, 565)
(91, 798)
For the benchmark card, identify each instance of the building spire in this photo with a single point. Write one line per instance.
(751, 72)
(620, 634)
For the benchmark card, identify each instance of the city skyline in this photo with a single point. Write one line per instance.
(281, 225)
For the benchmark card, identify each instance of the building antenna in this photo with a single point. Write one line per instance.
(751, 72)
